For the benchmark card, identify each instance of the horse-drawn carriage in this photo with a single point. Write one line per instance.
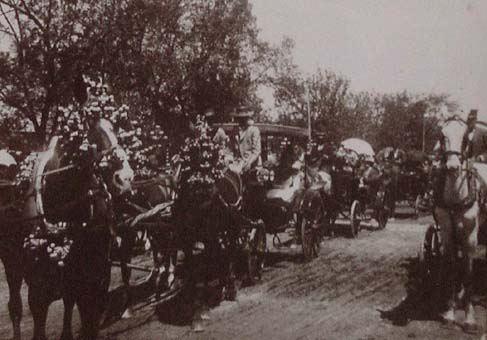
(282, 192)
(357, 186)
(410, 176)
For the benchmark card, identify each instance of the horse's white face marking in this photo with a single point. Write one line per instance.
(124, 175)
(453, 132)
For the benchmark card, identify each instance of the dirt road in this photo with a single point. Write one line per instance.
(357, 289)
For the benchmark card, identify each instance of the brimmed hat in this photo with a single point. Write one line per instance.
(243, 112)
(210, 112)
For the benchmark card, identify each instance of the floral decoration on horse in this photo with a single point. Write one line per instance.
(53, 240)
(203, 162)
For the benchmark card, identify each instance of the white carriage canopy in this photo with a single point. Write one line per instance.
(6, 159)
(360, 146)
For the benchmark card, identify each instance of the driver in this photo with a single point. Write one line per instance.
(248, 141)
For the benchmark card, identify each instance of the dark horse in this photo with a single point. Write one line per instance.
(210, 214)
(80, 196)
(160, 232)
(11, 238)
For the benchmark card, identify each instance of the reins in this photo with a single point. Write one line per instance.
(73, 166)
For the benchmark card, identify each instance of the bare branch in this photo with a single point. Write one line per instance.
(9, 23)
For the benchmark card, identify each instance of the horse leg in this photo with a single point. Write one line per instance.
(470, 244)
(91, 305)
(14, 280)
(447, 266)
(171, 260)
(231, 289)
(158, 248)
(126, 247)
(470, 323)
(39, 306)
(67, 333)
(89, 328)
(191, 293)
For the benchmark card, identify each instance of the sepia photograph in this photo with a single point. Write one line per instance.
(243, 169)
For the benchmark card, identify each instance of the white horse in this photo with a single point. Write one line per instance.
(459, 214)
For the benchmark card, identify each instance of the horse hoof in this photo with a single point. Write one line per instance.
(205, 316)
(231, 295)
(448, 323)
(198, 326)
(127, 314)
(471, 328)
(66, 337)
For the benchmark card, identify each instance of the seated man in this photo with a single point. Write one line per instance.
(248, 142)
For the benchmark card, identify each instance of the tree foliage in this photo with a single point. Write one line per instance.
(395, 119)
(169, 58)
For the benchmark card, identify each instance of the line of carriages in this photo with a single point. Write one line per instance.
(302, 189)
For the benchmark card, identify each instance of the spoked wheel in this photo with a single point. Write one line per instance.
(257, 251)
(355, 219)
(310, 235)
(382, 216)
(381, 211)
(417, 206)
(430, 256)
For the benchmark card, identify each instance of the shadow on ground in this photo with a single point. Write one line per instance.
(424, 300)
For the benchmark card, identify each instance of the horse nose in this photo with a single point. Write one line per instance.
(123, 177)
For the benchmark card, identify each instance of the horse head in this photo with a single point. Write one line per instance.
(452, 143)
(118, 174)
(456, 183)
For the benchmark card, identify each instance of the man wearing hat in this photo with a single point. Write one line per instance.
(249, 143)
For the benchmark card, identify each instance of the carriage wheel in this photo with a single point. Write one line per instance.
(417, 206)
(382, 216)
(381, 211)
(355, 212)
(257, 251)
(430, 255)
(310, 235)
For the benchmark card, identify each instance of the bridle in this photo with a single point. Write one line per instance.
(464, 170)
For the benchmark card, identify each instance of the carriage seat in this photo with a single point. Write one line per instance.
(287, 190)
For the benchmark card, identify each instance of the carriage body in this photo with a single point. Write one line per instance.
(357, 187)
(411, 182)
(281, 192)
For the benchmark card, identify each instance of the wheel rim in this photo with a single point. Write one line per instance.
(354, 218)
(257, 253)
(309, 239)
(382, 217)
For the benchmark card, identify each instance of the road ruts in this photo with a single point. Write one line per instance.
(336, 296)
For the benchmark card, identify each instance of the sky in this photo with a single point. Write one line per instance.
(422, 46)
